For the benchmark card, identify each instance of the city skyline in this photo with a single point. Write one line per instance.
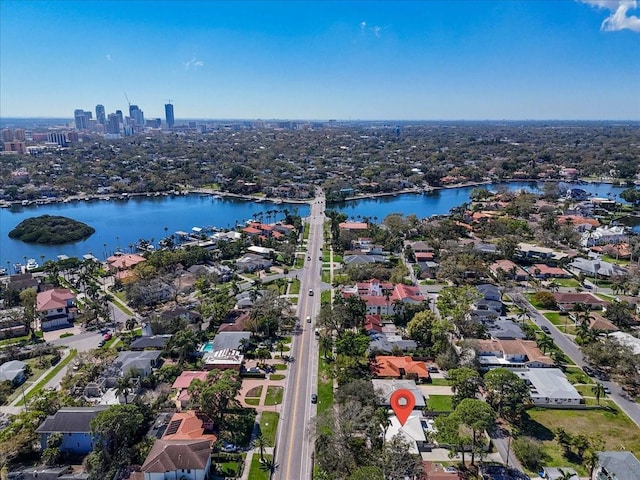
(432, 60)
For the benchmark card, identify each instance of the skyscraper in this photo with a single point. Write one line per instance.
(120, 116)
(81, 118)
(100, 114)
(113, 124)
(168, 113)
(136, 115)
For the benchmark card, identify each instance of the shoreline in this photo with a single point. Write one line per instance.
(279, 200)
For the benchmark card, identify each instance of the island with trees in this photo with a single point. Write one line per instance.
(51, 230)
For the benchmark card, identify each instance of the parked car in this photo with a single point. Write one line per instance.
(308, 319)
(229, 448)
(545, 329)
(314, 398)
(107, 337)
(607, 390)
(433, 369)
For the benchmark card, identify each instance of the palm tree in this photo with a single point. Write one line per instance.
(598, 391)
(544, 343)
(280, 346)
(261, 443)
(564, 475)
(123, 387)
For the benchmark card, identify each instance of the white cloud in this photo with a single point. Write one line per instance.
(618, 18)
(193, 63)
(108, 56)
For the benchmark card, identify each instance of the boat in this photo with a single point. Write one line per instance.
(31, 264)
(3, 271)
(17, 268)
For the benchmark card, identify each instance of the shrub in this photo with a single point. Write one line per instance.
(529, 452)
(545, 300)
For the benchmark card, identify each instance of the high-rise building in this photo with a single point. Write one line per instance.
(120, 117)
(113, 124)
(136, 116)
(82, 119)
(168, 114)
(7, 134)
(100, 115)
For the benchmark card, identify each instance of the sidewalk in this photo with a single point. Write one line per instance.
(14, 409)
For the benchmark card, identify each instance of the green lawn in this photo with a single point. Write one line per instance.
(567, 282)
(613, 426)
(257, 472)
(325, 385)
(252, 401)
(269, 425)
(43, 381)
(440, 403)
(326, 276)
(280, 366)
(294, 287)
(440, 382)
(560, 321)
(255, 392)
(228, 466)
(276, 376)
(325, 296)
(576, 375)
(274, 395)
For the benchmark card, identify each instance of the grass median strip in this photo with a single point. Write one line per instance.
(40, 385)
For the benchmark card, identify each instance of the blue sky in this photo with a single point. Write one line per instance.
(506, 59)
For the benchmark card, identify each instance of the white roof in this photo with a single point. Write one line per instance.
(411, 431)
(549, 383)
(260, 250)
(385, 388)
(628, 340)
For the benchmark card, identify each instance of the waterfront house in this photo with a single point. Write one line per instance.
(56, 308)
(74, 423)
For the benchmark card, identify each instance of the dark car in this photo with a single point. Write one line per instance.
(545, 329)
(432, 369)
(314, 398)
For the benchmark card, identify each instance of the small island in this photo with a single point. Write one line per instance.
(51, 230)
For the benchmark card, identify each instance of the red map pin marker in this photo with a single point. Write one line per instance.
(402, 402)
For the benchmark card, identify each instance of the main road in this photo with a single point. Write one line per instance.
(294, 443)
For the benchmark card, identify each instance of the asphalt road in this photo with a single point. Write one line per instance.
(631, 408)
(294, 443)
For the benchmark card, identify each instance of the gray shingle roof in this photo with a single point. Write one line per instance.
(624, 465)
(71, 420)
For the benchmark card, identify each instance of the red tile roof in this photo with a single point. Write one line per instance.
(125, 261)
(186, 426)
(53, 299)
(389, 366)
(185, 378)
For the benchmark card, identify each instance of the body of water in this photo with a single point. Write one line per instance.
(120, 224)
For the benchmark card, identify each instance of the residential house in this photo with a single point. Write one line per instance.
(627, 339)
(56, 308)
(541, 270)
(618, 465)
(530, 251)
(74, 423)
(604, 235)
(412, 432)
(558, 473)
(123, 263)
(10, 326)
(509, 270)
(353, 226)
(232, 340)
(596, 322)
(182, 383)
(385, 388)
(580, 223)
(550, 387)
(153, 342)
(381, 297)
(224, 359)
(596, 268)
(399, 367)
(250, 262)
(182, 459)
(139, 363)
(503, 329)
(362, 259)
(189, 425)
(22, 281)
(180, 313)
(512, 354)
(13, 371)
(568, 301)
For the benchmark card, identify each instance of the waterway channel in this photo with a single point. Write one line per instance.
(120, 224)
